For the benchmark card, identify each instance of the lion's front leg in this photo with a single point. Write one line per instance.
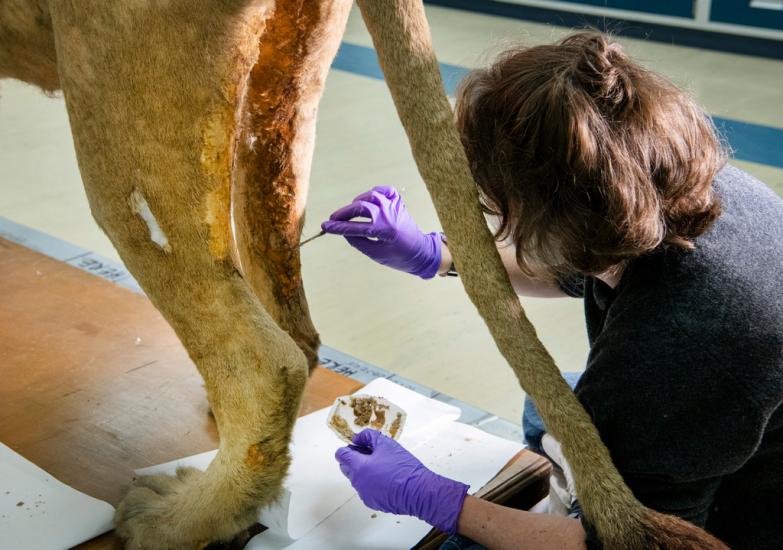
(155, 93)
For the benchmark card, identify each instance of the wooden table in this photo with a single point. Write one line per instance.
(94, 383)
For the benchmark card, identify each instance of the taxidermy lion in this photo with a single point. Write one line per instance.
(194, 124)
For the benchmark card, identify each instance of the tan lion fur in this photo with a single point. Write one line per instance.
(27, 43)
(193, 124)
(165, 103)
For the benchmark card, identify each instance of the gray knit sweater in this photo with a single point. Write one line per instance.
(685, 374)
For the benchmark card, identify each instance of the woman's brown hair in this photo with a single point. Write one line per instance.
(587, 158)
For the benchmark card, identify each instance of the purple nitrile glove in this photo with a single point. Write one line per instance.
(390, 479)
(391, 237)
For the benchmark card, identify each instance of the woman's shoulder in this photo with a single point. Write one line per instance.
(727, 291)
(748, 207)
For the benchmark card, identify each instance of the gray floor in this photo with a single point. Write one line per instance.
(425, 331)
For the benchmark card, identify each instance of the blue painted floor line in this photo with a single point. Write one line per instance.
(748, 141)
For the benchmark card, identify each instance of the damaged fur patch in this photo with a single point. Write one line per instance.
(141, 208)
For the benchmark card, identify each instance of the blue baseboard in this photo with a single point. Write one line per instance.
(669, 34)
(748, 141)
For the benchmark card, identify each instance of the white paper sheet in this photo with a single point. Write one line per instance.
(316, 490)
(315, 487)
(456, 450)
(52, 515)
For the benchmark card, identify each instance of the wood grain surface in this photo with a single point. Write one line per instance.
(94, 383)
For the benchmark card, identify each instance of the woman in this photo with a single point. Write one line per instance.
(612, 186)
